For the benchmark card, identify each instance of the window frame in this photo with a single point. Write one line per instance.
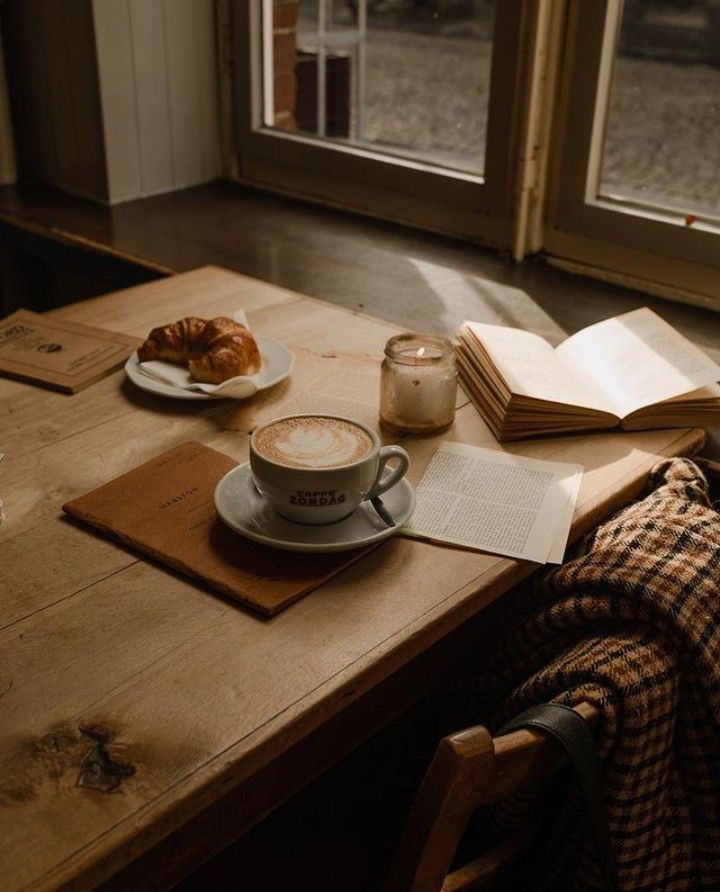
(480, 208)
(652, 245)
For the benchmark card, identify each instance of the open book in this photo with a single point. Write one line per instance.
(634, 371)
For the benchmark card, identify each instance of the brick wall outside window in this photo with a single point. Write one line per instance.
(285, 16)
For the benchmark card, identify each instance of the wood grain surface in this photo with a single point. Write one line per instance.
(132, 699)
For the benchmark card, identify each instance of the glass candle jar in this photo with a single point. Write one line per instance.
(418, 383)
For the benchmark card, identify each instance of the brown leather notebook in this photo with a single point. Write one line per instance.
(165, 509)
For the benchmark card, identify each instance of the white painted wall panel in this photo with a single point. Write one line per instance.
(147, 22)
(158, 73)
(193, 82)
(118, 99)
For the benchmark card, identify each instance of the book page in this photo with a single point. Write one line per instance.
(531, 367)
(638, 359)
(497, 502)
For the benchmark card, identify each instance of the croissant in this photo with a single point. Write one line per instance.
(214, 350)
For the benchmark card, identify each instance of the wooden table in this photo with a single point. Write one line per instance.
(107, 659)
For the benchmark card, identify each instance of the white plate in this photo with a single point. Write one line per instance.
(277, 363)
(242, 507)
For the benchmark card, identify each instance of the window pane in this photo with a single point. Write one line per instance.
(662, 139)
(409, 78)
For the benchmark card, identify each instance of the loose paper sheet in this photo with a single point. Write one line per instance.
(497, 502)
(330, 382)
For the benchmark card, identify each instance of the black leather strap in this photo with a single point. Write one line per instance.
(572, 732)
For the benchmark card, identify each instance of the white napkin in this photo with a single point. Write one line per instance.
(240, 387)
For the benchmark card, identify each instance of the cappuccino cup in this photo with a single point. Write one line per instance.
(317, 469)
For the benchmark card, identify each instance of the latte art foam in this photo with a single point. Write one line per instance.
(313, 442)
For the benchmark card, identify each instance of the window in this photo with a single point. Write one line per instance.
(401, 108)
(661, 141)
(409, 79)
(637, 175)
(585, 130)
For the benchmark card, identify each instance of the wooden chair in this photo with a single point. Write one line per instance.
(469, 770)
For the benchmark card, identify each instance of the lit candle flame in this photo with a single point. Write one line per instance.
(420, 353)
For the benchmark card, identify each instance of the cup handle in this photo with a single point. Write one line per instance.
(386, 454)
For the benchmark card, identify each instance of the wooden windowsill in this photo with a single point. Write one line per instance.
(398, 274)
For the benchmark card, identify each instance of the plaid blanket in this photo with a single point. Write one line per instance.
(632, 624)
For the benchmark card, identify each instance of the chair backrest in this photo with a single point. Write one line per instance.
(469, 770)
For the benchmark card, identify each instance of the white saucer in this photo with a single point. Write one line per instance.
(241, 507)
(277, 365)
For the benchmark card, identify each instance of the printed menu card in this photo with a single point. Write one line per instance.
(62, 355)
(165, 509)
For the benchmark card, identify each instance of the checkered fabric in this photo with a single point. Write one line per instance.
(632, 624)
